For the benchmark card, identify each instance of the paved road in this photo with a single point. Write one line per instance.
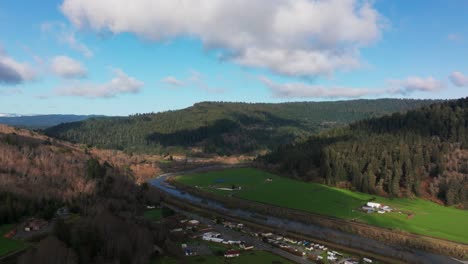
(318, 232)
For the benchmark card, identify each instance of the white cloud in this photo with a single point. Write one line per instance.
(297, 90)
(196, 79)
(14, 72)
(68, 68)
(414, 84)
(396, 87)
(66, 35)
(121, 84)
(173, 81)
(290, 37)
(459, 79)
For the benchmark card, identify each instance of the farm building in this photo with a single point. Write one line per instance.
(232, 254)
(373, 205)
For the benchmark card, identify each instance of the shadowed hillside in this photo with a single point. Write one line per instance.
(419, 153)
(225, 128)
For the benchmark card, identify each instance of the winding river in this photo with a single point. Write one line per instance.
(327, 234)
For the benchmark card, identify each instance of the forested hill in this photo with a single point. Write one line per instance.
(225, 128)
(423, 152)
(41, 121)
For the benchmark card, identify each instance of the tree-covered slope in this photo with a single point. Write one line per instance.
(423, 152)
(225, 128)
(41, 121)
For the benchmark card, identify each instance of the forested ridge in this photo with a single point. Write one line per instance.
(225, 128)
(422, 152)
(41, 121)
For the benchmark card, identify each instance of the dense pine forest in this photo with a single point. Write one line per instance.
(225, 128)
(423, 152)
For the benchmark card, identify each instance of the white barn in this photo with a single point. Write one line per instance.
(373, 205)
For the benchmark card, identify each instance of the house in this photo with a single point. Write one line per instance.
(34, 224)
(232, 254)
(246, 246)
(212, 234)
(373, 205)
(367, 260)
(331, 258)
(310, 248)
(269, 180)
(194, 222)
(214, 239)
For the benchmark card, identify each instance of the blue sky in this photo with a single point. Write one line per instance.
(121, 57)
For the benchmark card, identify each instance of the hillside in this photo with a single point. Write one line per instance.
(41, 121)
(423, 153)
(225, 128)
(35, 168)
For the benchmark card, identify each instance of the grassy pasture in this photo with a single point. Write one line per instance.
(8, 245)
(427, 218)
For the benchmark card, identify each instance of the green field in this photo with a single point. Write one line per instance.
(9, 245)
(427, 218)
(153, 214)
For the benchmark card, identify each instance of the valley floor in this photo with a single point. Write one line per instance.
(412, 215)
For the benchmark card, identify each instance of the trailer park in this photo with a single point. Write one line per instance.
(216, 240)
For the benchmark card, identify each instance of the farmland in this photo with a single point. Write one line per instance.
(8, 245)
(411, 215)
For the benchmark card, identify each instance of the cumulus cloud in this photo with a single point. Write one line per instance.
(14, 72)
(292, 37)
(459, 79)
(196, 79)
(68, 68)
(395, 87)
(296, 90)
(120, 84)
(173, 81)
(414, 84)
(67, 35)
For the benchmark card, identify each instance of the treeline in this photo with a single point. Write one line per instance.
(419, 153)
(224, 128)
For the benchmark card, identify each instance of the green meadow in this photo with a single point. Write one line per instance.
(9, 245)
(153, 214)
(427, 218)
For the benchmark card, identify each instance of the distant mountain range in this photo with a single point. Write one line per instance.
(40, 121)
(225, 128)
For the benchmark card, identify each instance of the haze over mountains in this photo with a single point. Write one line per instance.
(225, 128)
(40, 121)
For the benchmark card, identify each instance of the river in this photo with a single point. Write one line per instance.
(318, 232)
